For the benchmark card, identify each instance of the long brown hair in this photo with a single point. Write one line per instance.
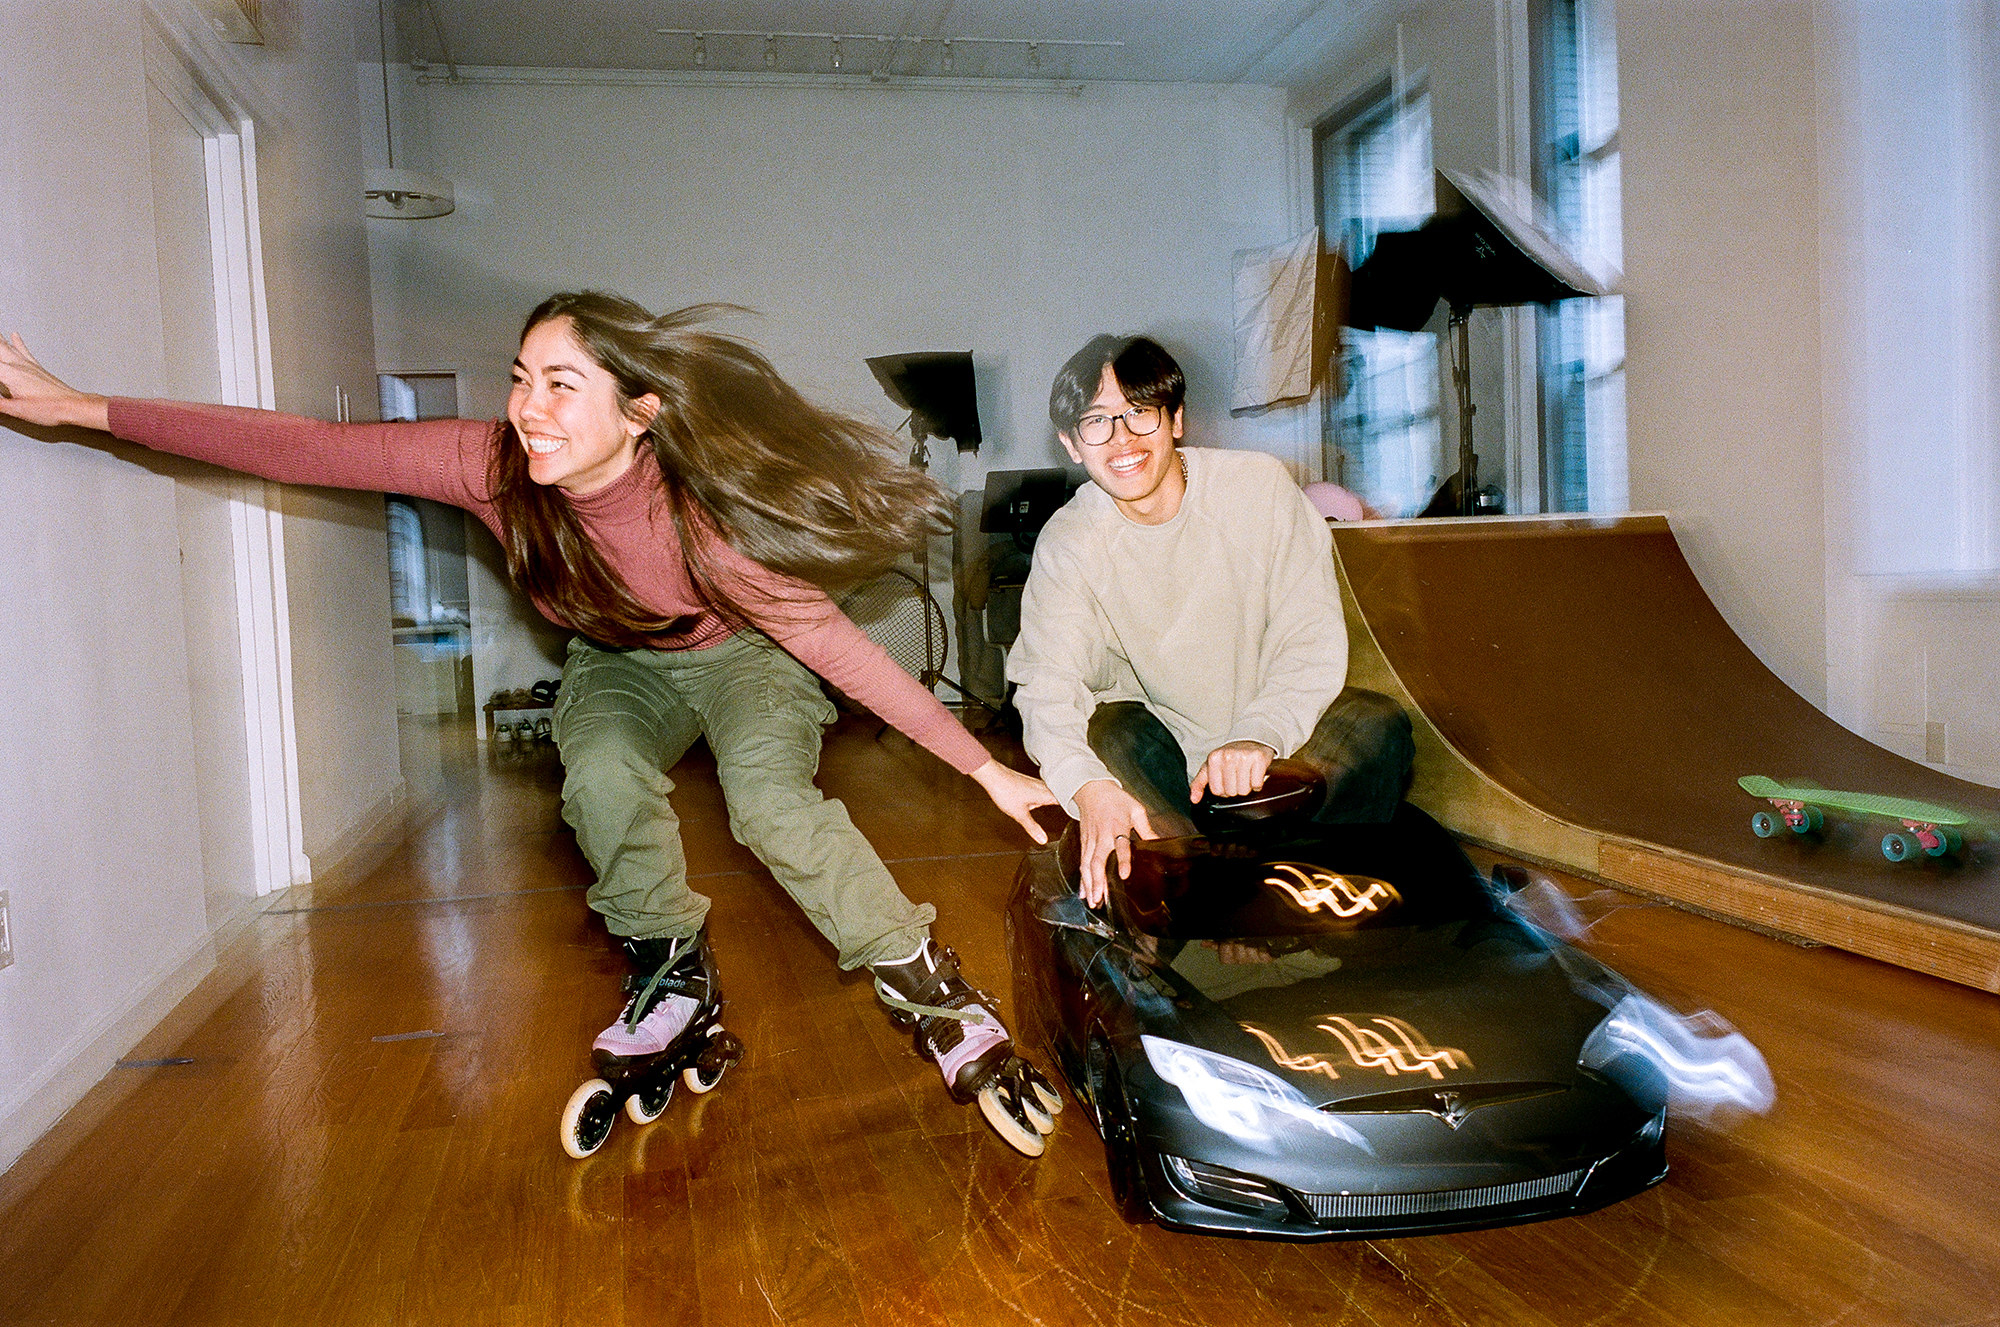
(810, 494)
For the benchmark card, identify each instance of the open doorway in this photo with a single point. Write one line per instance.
(237, 623)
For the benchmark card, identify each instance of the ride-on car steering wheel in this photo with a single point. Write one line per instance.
(1292, 794)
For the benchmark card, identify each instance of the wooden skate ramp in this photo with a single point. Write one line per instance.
(1580, 701)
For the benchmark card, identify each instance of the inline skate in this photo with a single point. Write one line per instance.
(671, 1031)
(958, 1027)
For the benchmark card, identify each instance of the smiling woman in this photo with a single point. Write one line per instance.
(661, 490)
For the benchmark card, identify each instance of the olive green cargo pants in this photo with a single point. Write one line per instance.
(625, 717)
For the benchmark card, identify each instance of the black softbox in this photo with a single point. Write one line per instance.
(937, 388)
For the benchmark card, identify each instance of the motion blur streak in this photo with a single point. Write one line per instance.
(1305, 1064)
(1317, 889)
(1399, 1048)
(1542, 903)
(1708, 1064)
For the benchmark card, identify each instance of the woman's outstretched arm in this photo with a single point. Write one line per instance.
(30, 393)
(441, 459)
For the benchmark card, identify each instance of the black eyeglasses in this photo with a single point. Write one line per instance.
(1140, 420)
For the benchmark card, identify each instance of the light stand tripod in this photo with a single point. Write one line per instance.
(920, 458)
(1461, 378)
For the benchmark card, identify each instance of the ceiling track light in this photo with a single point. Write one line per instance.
(887, 46)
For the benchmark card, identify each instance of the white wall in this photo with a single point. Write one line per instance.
(1719, 142)
(1910, 105)
(322, 336)
(858, 222)
(1810, 337)
(99, 843)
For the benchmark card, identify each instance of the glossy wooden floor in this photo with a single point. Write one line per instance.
(366, 1133)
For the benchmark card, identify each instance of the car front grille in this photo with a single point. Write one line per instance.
(1362, 1206)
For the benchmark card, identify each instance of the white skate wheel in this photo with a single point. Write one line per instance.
(1050, 1099)
(645, 1106)
(587, 1118)
(695, 1079)
(1017, 1131)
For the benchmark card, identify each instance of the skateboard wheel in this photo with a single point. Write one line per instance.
(1898, 847)
(1763, 824)
(1813, 823)
(1945, 844)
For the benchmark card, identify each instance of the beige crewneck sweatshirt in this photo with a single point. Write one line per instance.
(1225, 621)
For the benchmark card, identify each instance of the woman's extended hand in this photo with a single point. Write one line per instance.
(31, 393)
(1017, 794)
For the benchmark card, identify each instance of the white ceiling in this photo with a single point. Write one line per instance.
(1280, 42)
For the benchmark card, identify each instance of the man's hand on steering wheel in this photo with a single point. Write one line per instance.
(1233, 769)
(1109, 818)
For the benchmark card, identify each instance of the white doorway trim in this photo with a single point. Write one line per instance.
(193, 75)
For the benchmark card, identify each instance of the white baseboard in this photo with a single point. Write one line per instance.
(379, 831)
(82, 1063)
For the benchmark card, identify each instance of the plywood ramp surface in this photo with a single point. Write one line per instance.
(1581, 700)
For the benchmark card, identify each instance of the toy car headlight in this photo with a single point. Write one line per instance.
(1235, 1098)
(1611, 1038)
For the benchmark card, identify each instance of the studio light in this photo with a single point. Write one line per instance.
(1479, 250)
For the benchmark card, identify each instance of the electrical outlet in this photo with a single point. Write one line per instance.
(6, 933)
(1935, 750)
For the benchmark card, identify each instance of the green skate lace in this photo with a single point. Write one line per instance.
(894, 1001)
(639, 1006)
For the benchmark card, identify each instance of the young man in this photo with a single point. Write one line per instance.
(1181, 626)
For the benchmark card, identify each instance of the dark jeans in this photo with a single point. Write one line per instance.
(1362, 744)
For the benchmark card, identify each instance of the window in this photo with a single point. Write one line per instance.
(1582, 341)
(1380, 438)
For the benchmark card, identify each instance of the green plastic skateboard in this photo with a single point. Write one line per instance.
(1927, 827)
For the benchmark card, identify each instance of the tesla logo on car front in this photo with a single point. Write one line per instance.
(1313, 889)
(1451, 1109)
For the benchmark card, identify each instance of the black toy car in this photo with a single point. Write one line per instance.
(1304, 1031)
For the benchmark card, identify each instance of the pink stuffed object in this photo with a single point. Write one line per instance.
(1336, 503)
